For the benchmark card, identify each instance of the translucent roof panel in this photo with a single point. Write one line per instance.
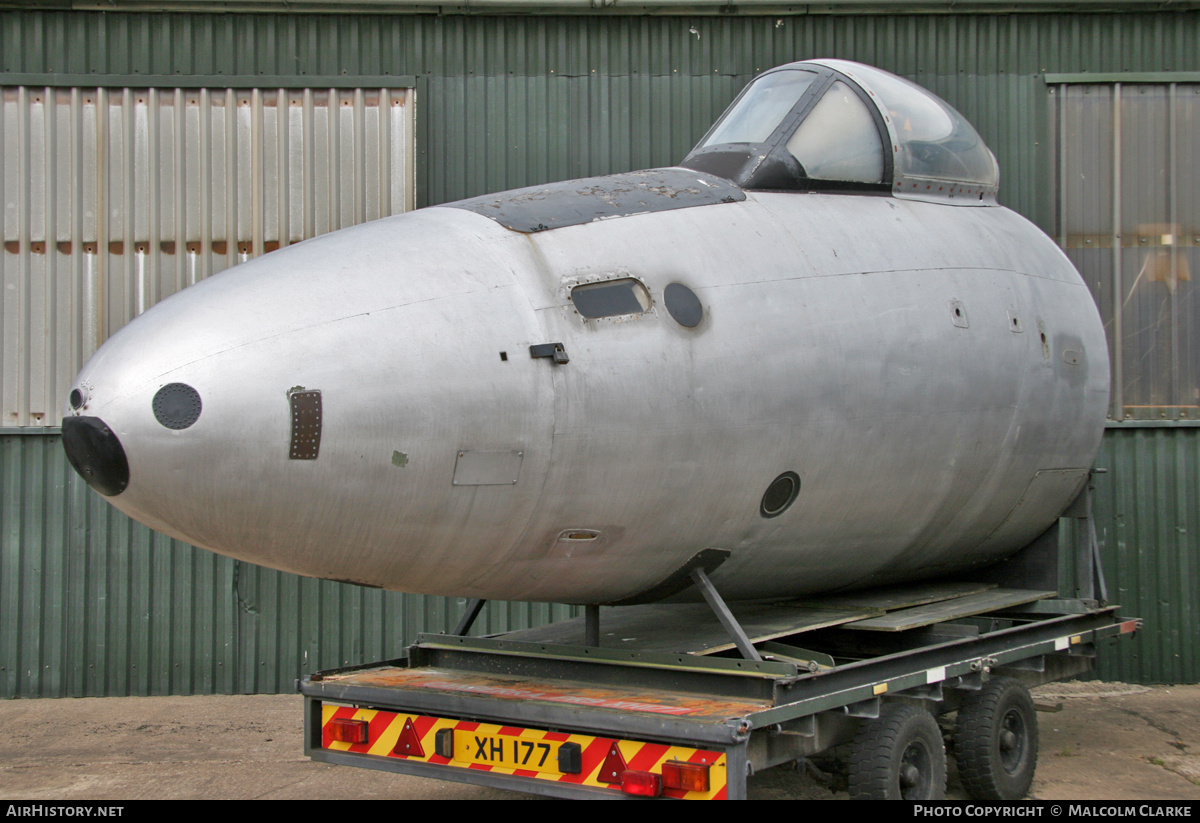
(838, 139)
(762, 107)
(931, 141)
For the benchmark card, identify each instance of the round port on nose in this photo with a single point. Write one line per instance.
(96, 453)
(177, 405)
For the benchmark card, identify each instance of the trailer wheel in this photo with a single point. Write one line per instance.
(996, 741)
(898, 756)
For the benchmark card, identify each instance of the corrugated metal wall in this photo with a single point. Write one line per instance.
(1129, 218)
(1148, 522)
(90, 603)
(115, 198)
(94, 604)
(512, 101)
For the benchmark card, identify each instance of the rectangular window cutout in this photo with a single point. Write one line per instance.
(487, 468)
(611, 298)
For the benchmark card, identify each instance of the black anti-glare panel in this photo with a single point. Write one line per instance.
(575, 202)
(306, 424)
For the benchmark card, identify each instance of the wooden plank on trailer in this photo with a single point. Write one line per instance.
(949, 610)
(900, 597)
(692, 627)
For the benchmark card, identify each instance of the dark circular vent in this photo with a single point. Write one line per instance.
(177, 405)
(683, 305)
(77, 398)
(780, 494)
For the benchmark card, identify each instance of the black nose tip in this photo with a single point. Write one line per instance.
(96, 454)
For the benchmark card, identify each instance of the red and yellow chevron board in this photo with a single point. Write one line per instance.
(682, 772)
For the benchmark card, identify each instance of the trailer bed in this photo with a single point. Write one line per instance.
(533, 711)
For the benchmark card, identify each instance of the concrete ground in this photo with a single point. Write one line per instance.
(1104, 742)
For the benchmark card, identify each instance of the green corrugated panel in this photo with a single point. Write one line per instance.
(1148, 523)
(589, 46)
(544, 98)
(286, 625)
(93, 604)
(580, 127)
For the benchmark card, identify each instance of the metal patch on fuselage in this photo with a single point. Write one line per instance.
(306, 424)
(487, 468)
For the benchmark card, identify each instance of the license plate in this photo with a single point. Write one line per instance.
(525, 750)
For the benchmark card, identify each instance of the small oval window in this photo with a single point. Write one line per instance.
(611, 298)
(780, 494)
(683, 305)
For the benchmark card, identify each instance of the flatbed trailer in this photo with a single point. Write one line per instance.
(532, 712)
(689, 700)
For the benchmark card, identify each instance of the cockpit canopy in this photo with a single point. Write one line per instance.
(834, 125)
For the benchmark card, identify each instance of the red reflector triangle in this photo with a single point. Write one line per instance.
(409, 743)
(614, 765)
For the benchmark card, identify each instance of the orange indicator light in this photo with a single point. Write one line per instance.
(691, 777)
(344, 730)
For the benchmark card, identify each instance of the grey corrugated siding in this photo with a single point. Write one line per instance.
(93, 604)
(115, 198)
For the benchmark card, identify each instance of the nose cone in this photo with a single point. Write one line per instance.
(190, 418)
(96, 454)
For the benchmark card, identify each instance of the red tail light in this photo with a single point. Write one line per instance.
(344, 730)
(643, 784)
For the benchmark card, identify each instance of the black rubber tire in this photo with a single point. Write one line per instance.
(898, 756)
(996, 741)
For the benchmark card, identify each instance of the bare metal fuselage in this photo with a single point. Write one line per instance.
(935, 375)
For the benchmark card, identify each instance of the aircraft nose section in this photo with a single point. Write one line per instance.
(96, 453)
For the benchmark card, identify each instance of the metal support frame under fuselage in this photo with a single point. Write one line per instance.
(804, 712)
(801, 712)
